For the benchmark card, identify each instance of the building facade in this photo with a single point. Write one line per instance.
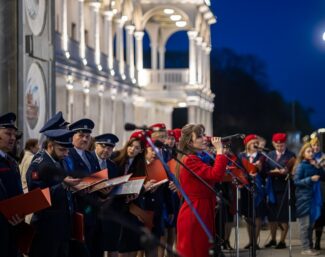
(85, 58)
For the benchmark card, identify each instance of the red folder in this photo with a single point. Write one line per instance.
(172, 164)
(78, 229)
(24, 234)
(24, 204)
(156, 171)
(144, 216)
(92, 180)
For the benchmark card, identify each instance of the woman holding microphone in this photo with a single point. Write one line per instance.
(191, 239)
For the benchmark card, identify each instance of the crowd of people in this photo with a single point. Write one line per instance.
(159, 217)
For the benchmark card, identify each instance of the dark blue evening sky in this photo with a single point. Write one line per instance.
(287, 36)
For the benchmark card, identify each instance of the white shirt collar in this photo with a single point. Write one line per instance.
(251, 155)
(80, 152)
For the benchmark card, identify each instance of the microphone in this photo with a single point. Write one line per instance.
(261, 148)
(131, 127)
(228, 138)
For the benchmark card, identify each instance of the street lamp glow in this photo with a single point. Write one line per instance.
(324, 36)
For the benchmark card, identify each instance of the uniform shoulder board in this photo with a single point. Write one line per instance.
(38, 160)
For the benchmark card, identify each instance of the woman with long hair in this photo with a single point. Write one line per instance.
(308, 196)
(191, 239)
(131, 159)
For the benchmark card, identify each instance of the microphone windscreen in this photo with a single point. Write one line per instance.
(129, 127)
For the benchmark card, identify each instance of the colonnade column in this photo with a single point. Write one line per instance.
(192, 56)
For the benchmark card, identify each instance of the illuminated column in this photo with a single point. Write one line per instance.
(95, 28)
(64, 26)
(203, 63)
(162, 51)
(130, 49)
(109, 27)
(81, 30)
(208, 68)
(119, 45)
(192, 56)
(139, 49)
(199, 59)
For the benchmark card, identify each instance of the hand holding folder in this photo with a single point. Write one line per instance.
(24, 204)
(110, 183)
(93, 179)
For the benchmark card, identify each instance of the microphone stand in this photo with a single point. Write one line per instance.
(288, 187)
(252, 191)
(237, 183)
(172, 177)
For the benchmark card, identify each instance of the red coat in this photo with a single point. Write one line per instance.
(191, 239)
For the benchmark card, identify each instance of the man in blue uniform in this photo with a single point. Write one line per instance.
(104, 146)
(108, 230)
(82, 163)
(10, 183)
(53, 225)
(277, 189)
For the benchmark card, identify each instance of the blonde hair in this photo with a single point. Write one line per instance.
(314, 141)
(300, 156)
(185, 140)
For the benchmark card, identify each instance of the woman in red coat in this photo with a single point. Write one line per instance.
(191, 239)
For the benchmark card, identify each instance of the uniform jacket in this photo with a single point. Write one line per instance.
(42, 173)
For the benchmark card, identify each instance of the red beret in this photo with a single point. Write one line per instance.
(158, 127)
(171, 133)
(279, 138)
(139, 134)
(177, 134)
(249, 137)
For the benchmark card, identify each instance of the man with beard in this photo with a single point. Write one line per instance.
(53, 225)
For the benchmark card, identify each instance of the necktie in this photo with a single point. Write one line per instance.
(103, 164)
(251, 159)
(85, 159)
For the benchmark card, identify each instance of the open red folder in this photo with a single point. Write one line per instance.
(92, 180)
(156, 171)
(28, 203)
(133, 186)
(110, 183)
